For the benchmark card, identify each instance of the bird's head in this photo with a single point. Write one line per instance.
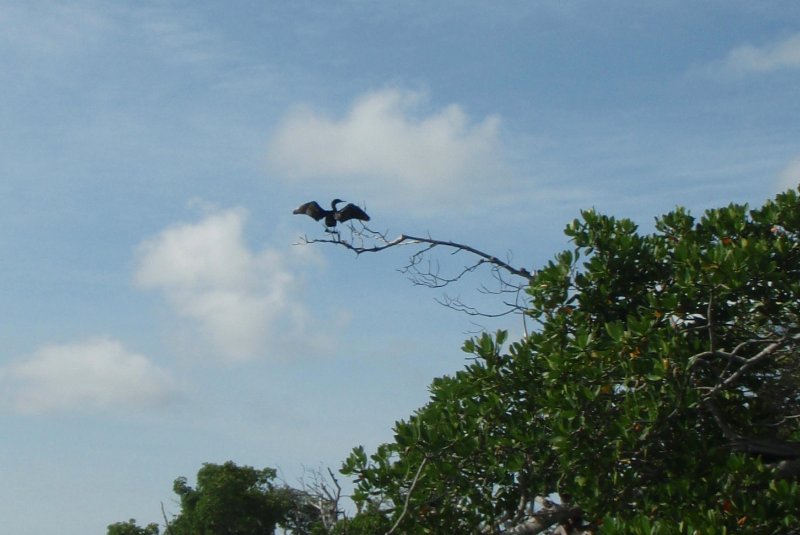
(334, 202)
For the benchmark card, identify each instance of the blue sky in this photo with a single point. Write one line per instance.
(158, 313)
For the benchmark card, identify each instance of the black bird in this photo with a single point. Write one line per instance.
(332, 216)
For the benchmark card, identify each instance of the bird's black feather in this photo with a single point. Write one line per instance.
(311, 209)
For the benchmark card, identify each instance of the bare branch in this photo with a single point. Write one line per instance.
(406, 239)
(726, 381)
(335, 484)
(167, 528)
(408, 496)
(316, 493)
(457, 305)
(423, 270)
(768, 351)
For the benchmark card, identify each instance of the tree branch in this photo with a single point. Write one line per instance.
(167, 528)
(407, 239)
(408, 496)
(429, 274)
(768, 351)
(538, 522)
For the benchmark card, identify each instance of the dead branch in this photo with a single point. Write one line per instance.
(423, 270)
(318, 494)
(456, 304)
(383, 243)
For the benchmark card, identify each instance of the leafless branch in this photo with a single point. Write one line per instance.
(167, 528)
(708, 355)
(733, 356)
(408, 496)
(727, 379)
(423, 270)
(456, 304)
(382, 243)
(762, 355)
(322, 497)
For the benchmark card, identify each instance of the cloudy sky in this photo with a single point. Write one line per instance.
(157, 310)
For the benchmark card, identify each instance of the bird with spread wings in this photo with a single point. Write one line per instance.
(333, 216)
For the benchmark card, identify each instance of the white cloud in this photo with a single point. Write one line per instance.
(239, 299)
(98, 373)
(790, 176)
(745, 59)
(383, 141)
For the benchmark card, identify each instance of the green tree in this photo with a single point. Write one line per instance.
(230, 500)
(131, 528)
(659, 392)
(370, 521)
(241, 500)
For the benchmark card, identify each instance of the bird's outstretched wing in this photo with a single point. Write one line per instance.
(351, 211)
(311, 209)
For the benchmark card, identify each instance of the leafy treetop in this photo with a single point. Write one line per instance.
(659, 393)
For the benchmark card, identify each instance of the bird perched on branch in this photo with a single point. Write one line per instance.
(332, 216)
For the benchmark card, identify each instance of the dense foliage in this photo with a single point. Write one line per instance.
(658, 394)
(230, 500)
(131, 528)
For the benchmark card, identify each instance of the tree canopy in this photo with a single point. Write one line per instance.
(131, 528)
(229, 500)
(658, 394)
